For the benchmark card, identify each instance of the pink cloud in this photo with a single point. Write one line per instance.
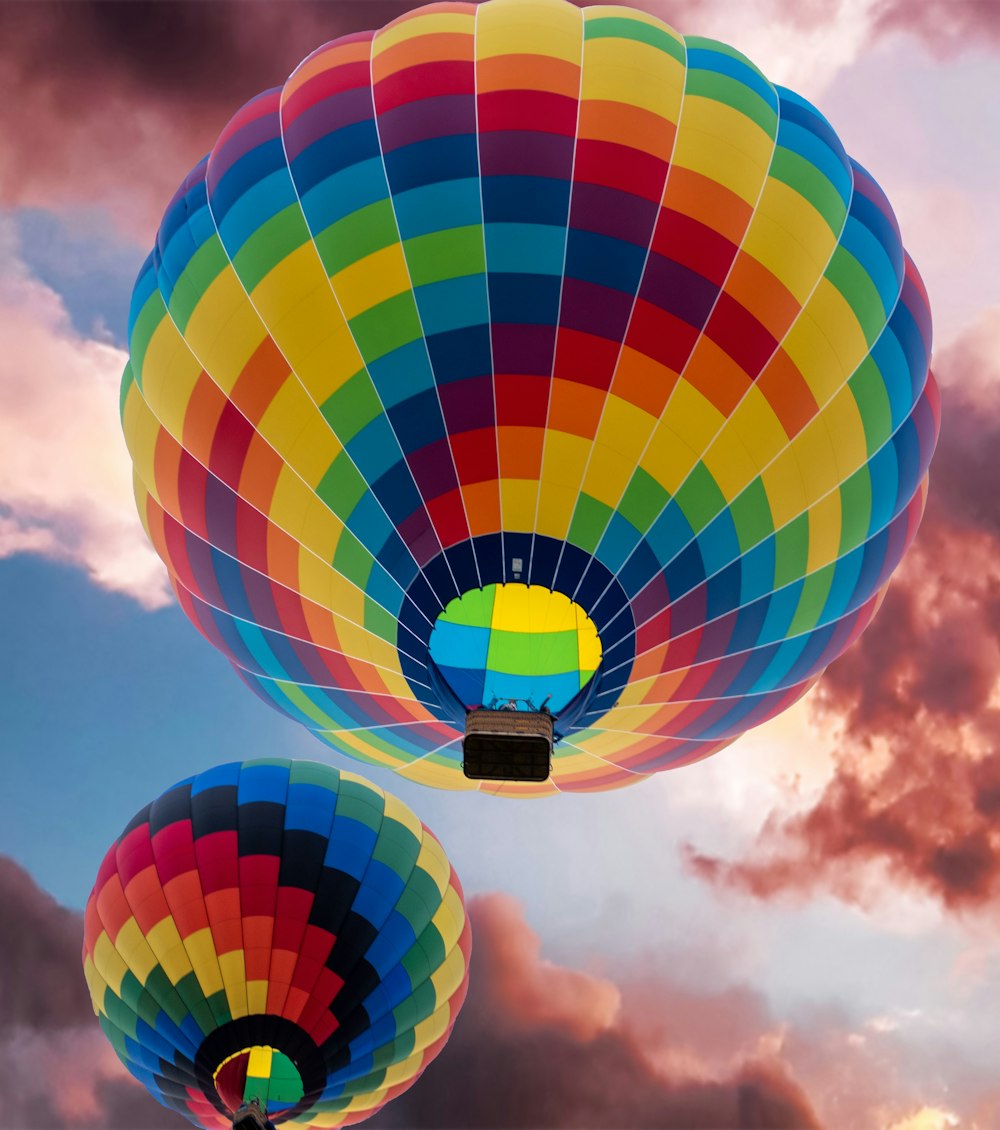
(915, 795)
(65, 475)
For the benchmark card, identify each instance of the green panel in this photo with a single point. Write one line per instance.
(590, 520)
(361, 803)
(813, 599)
(699, 497)
(643, 501)
(387, 326)
(868, 388)
(622, 27)
(473, 609)
(855, 510)
(802, 175)
(533, 653)
(446, 254)
(730, 91)
(351, 559)
(420, 900)
(415, 1008)
(342, 487)
(351, 407)
(791, 551)
(379, 622)
(273, 241)
(128, 380)
(312, 773)
(751, 514)
(219, 1004)
(190, 993)
(204, 266)
(860, 293)
(357, 236)
(146, 323)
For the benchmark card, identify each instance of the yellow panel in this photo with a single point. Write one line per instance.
(259, 1065)
(729, 462)
(435, 863)
(257, 998)
(826, 342)
(518, 498)
(721, 143)
(632, 72)
(760, 430)
(313, 449)
(224, 330)
(286, 416)
(396, 810)
(843, 423)
(234, 979)
(609, 474)
(785, 489)
(109, 963)
(790, 238)
(96, 984)
(165, 941)
(204, 960)
(448, 976)
(816, 459)
(449, 918)
(174, 372)
(369, 281)
(824, 532)
(132, 945)
(624, 426)
(428, 772)
(545, 27)
(422, 23)
(668, 459)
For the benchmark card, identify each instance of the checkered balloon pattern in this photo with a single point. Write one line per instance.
(526, 294)
(276, 930)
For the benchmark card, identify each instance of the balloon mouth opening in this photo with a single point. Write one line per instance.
(259, 1072)
(515, 645)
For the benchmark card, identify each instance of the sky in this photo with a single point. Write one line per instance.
(803, 931)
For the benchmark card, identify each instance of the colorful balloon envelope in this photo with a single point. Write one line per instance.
(523, 350)
(280, 931)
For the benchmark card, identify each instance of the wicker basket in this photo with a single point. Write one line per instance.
(507, 745)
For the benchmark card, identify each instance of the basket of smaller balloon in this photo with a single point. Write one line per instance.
(507, 745)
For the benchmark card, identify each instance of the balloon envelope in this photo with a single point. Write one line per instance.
(276, 930)
(543, 301)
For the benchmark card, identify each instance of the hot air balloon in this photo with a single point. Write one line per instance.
(276, 931)
(528, 353)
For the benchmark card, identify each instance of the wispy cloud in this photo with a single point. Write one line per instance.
(65, 475)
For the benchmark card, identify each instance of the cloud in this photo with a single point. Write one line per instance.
(65, 475)
(538, 1044)
(117, 100)
(59, 1070)
(915, 794)
(945, 26)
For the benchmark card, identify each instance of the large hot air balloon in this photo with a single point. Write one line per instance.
(280, 931)
(528, 353)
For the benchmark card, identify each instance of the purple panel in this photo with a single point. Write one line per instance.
(524, 153)
(327, 116)
(467, 404)
(678, 290)
(523, 349)
(432, 469)
(595, 309)
(608, 211)
(442, 116)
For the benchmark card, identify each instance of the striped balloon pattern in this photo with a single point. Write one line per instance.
(524, 293)
(276, 930)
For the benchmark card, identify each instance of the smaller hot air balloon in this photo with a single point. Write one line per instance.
(276, 934)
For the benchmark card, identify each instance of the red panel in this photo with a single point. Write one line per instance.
(620, 167)
(694, 245)
(734, 329)
(522, 400)
(173, 848)
(475, 455)
(425, 80)
(218, 860)
(536, 111)
(337, 78)
(661, 335)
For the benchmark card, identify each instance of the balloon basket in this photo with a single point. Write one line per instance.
(507, 745)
